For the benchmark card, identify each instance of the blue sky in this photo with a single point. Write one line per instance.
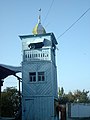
(18, 17)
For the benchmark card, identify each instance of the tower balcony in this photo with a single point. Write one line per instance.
(36, 55)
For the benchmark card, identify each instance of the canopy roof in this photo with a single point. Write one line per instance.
(6, 70)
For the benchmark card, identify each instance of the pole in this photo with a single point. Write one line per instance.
(19, 79)
(19, 93)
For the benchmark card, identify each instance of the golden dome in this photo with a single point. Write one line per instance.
(39, 29)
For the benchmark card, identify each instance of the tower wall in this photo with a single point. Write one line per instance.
(39, 77)
(46, 87)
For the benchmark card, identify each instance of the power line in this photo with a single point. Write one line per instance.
(48, 11)
(73, 23)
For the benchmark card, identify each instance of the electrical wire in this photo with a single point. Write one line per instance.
(48, 11)
(73, 23)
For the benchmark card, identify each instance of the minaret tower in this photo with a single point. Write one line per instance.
(39, 74)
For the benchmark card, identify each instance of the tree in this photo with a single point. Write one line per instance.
(81, 96)
(9, 102)
(74, 97)
(62, 96)
(61, 91)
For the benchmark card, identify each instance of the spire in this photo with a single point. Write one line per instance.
(39, 29)
(39, 17)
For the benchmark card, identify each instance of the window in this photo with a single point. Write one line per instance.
(36, 77)
(32, 76)
(41, 76)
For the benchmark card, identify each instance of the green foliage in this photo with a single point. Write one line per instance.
(81, 96)
(74, 97)
(9, 102)
(61, 91)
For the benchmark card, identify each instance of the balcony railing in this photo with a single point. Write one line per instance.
(32, 55)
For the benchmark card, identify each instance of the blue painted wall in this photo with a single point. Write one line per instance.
(38, 97)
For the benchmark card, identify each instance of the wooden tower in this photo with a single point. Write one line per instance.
(39, 75)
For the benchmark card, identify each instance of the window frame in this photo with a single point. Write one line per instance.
(32, 77)
(41, 76)
(38, 76)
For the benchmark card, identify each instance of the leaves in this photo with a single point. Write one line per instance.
(74, 97)
(9, 102)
